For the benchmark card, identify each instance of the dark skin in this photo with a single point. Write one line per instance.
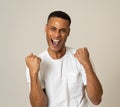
(57, 30)
(93, 87)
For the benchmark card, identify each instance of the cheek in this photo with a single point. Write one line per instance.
(48, 39)
(49, 34)
(65, 38)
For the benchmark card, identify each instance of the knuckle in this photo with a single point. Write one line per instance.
(26, 58)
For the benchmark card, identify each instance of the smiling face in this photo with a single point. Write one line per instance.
(57, 31)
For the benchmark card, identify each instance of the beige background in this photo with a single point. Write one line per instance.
(95, 24)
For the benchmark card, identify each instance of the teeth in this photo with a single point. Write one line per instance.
(55, 41)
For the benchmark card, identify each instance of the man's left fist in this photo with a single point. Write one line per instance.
(82, 55)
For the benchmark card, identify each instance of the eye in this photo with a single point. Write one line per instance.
(52, 28)
(63, 30)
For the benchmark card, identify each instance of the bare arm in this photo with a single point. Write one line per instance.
(93, 87)
(37, 95)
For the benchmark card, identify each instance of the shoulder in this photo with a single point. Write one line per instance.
(43, 54)
(70, 54)
(70, 50)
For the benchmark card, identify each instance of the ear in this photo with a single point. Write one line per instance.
(68, 31)
(45, 28)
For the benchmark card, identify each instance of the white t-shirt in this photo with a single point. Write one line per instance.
(63, 79)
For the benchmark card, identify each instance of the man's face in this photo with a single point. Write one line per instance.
(57, 31)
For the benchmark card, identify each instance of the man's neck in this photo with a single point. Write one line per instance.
(57, 55)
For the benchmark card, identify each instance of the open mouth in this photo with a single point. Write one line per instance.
(55, 42)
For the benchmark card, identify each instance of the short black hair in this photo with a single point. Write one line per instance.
(60, 14)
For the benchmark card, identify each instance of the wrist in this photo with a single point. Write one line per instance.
(88, 67)
(33, 75)
(87, 64)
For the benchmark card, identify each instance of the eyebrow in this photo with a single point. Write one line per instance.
(60, 29)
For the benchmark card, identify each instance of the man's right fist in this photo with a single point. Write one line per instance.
(33, 63)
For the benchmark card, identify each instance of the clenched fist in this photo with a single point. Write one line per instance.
(82, 55)
(33, 63)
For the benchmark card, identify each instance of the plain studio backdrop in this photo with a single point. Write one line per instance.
(95, 24)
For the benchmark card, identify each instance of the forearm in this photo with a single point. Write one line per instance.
(93, 88)
(37, 96)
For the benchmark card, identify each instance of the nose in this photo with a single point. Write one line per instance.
(57, 34)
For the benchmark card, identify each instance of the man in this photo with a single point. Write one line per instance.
(60, 75)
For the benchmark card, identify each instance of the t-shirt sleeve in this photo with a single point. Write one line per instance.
(81, 69)
(83, 73)
(41, 77)
(84, 77)
(27, 74)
